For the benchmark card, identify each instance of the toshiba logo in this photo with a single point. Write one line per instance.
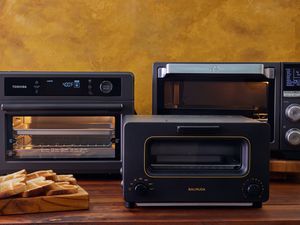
(19, 86)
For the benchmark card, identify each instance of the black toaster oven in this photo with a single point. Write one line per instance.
(269, 92)
(66, 121)
(174, 160)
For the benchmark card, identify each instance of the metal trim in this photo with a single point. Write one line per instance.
(197, 204)
(196, 68)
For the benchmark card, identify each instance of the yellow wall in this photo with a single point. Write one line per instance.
(129, 35)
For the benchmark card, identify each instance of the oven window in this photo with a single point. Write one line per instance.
(252, 96)
(62, 137)
(197, 156)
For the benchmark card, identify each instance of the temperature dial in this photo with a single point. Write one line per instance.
(293, 136)
(293, 112)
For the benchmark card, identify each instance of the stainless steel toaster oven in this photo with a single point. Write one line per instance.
(268, 92)
(67, 121)
(172, 160)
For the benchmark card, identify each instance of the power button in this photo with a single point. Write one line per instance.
(106, 87)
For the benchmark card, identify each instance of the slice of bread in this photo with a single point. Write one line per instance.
(62, 189)
(17, 174)
(37, 188)
(48, 174)
(35, 180)
(66, 178)
(62, 182)
(13, 181)
(11, 188)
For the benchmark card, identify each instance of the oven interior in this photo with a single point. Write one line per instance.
(65, 137)
(196, 156)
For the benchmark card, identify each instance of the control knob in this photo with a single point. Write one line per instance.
(106, 87)
(254, 190)
(293, 136)
(141, 189)
(293, 112)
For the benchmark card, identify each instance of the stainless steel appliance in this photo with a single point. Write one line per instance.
(265, 91)
(175, 160)
(66, 121)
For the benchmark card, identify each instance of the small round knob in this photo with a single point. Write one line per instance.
(293, 136)
(293, 112)
(106, 87)
(141, 189)
(254, 190)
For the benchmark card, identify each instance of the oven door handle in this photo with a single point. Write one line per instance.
(80, 107)
(215, 68)
(188, 130)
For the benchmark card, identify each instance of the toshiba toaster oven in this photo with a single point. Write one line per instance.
(66, 121)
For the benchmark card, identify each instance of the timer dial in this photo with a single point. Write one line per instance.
(293, 136)
(293, 112)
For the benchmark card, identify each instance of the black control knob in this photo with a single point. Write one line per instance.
(293, 112)
(254, 190)
(141, 189)
(293, 136)
(106, 87)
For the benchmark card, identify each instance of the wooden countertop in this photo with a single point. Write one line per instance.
(106, 207)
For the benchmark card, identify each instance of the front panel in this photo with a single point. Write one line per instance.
(290, 113)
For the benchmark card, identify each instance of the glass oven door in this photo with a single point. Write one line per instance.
(228, 89)
(62, 137)
(197, 156)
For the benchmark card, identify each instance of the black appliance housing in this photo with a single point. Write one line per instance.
(66, 121)
(260, 90)
(173, 160)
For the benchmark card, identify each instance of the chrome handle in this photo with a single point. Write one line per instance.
(214, 68)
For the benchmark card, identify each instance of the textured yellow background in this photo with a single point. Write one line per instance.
(129, 35)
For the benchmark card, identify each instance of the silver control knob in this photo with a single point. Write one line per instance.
(293, 136)
(293, 112)
(106, 87)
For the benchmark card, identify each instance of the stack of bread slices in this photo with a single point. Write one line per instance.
(39, 183)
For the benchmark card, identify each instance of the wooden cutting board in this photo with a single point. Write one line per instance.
(53, 203)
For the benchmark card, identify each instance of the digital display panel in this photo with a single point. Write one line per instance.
(292, 78)
(62, 86)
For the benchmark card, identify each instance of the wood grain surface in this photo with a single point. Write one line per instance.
(129, 35)
(106, 207)
(285, 166)
(53, 203)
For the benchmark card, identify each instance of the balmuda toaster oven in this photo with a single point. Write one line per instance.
(172, 160)
(66, 121)
(268, 92)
